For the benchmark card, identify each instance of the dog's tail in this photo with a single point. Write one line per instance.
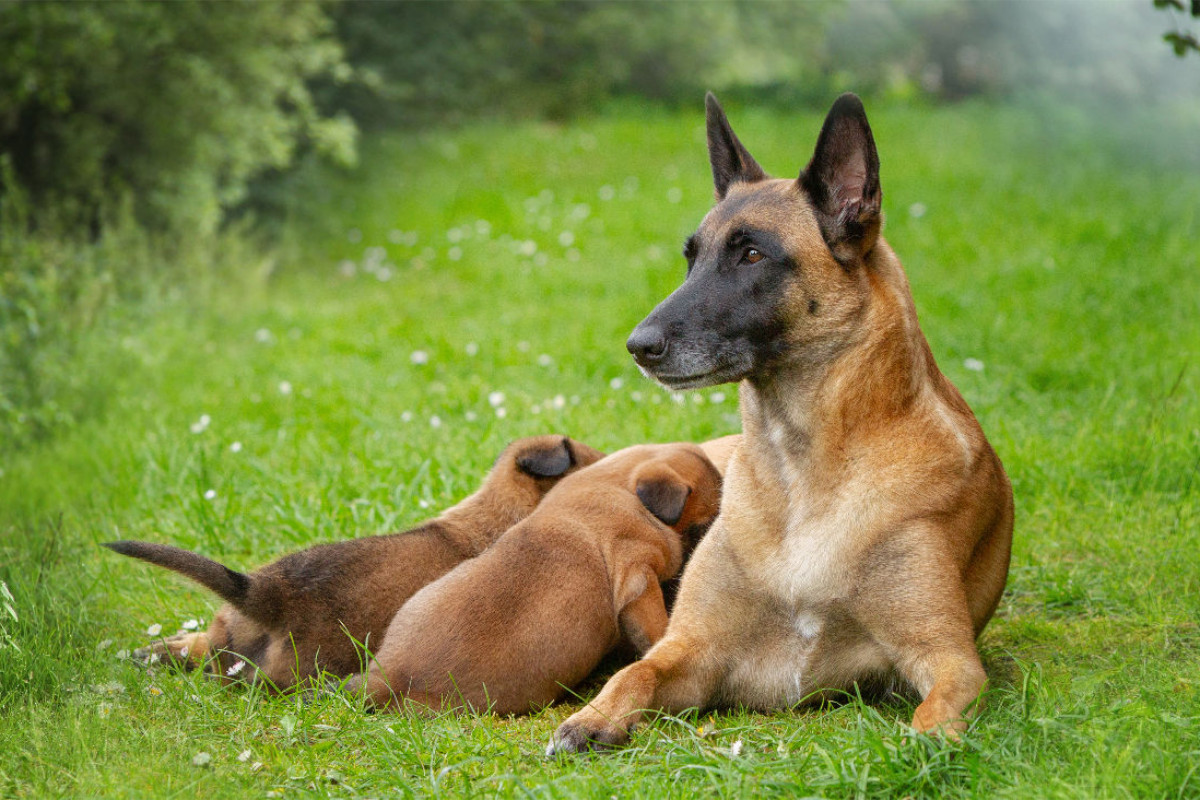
(236, 588)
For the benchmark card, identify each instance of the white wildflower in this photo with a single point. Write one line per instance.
(501, 412)
(236, 447)
(716, 397)
(201, 759)
(917, 210)
(191, 624)
(616, 383)
(674, 194)
(419, 357)
(244, 756)
(496, 399)
(435, 421)
(154, 630)
(211, 494)
(566, 238)
(285, 387)
(973, 364)
(201, 425)
(237, 667)
(471, 349)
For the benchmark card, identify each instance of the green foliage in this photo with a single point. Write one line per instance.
(169, 106)
(461, 60)
(1181, 41)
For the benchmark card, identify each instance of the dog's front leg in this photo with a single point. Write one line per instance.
(673, 676)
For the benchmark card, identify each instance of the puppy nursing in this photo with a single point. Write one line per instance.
(315, 609)
(534, 614)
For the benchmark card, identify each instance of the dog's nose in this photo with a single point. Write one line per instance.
(647, 344)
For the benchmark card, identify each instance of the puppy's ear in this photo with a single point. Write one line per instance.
(548, 458)
(662, 491)
(730, 160)
(842, 181)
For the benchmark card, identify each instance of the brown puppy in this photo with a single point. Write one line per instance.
(865, 529)
(511, 629)
(313, 610)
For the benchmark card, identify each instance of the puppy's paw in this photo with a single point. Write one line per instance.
(585, 732)
(183, 650)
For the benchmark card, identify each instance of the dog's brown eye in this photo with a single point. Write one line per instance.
(753, 256)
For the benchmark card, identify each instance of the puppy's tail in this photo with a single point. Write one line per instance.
(234, 587)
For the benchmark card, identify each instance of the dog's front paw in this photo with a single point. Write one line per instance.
(584, 732)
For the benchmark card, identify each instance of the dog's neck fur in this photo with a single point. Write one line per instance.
(814, 410)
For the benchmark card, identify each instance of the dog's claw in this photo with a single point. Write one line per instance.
(576, 738)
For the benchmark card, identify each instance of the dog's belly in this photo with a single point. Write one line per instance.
(800, 658)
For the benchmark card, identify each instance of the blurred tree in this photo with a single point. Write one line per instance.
(418, 62)
(171, 105)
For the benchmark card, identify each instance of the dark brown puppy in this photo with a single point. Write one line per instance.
(512, 629)
(313, 610)
(866, 523)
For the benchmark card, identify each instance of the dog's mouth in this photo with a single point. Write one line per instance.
(696, 380)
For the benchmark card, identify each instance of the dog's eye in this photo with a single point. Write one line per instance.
(753, 256)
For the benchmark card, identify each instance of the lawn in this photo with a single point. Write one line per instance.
(465, 288)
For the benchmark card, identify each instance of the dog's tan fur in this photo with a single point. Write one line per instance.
(719, 451)
(511, 629)
(866, 522)
(314, 610)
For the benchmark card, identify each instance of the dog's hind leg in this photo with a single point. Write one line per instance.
(375, 686)
(643, 620)
(927, 630)
(185, 651)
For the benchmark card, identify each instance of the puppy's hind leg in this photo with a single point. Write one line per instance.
(373, 683)
(643, 620)
(186, 651)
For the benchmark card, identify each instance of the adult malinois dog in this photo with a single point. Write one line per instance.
(866, 524)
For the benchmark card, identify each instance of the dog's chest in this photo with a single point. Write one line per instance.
(808, 563)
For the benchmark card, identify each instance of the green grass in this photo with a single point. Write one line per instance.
(1062, 255)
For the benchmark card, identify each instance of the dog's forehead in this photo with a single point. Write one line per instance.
(779, 206)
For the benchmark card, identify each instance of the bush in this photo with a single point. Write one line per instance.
(172, 106)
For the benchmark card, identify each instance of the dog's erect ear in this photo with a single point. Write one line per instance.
(547, 460)
(842, 180)
(730, 161)
(662, 491)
